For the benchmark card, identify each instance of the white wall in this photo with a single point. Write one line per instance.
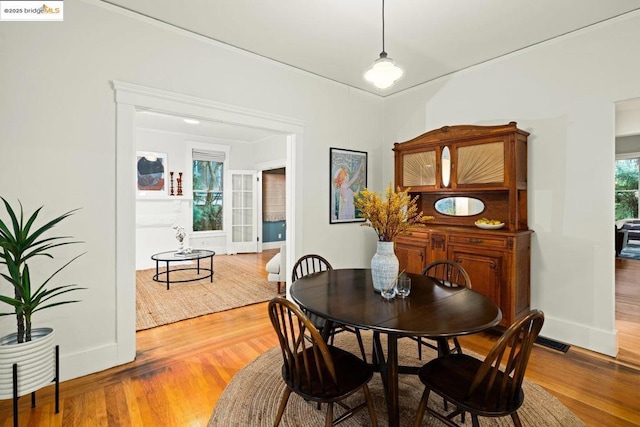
(58, 133)
(270, 150)
(155, 216)
(628, 119)
(563, 92)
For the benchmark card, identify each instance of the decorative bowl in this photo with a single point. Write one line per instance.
(489, 226)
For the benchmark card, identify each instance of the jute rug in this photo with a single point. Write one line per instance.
(253, 396)
(231, 288)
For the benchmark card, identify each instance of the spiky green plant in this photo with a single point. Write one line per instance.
(21, 242)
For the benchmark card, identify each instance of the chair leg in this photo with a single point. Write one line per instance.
(283, 404)
(329, 419)
(278, 287)
(516, 419)
(372, 411)
(474, 420)
(422, 407)
(456, 343)
(419, 348)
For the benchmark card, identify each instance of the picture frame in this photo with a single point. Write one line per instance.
(347, 177)
(151, 174)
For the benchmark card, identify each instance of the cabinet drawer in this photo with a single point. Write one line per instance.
(494, 242)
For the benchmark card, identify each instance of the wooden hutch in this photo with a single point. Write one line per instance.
(471, 172)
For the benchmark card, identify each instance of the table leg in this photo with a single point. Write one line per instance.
(443, 347)
(167, 275)
(393, 404)
(326, 330)
(389, 375)
(198, 266)
(211, 264)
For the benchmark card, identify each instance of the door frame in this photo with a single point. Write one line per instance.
(131, 98)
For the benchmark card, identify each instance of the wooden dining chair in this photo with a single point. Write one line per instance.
(309, 264)
(489, 388)
(315, 370)
(445, 273)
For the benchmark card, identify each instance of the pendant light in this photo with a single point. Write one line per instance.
(384, 72)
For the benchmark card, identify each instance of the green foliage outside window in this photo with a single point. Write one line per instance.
(207, 195)
(626, 190)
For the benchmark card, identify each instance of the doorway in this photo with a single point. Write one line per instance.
(133, 98)
(274, 198)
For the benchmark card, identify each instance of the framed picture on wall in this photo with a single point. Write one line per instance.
(348, 176)
(151, 174)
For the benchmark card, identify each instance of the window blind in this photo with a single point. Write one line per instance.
(273, 197)
(208, 156)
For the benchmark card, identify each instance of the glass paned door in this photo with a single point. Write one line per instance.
(244, 212)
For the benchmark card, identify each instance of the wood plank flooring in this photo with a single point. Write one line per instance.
(181, 369)
(628, 310)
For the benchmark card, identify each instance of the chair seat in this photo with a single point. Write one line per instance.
(451, 377)
(351, 371)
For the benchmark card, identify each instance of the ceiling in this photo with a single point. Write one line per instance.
(340, 39)
(224, 131)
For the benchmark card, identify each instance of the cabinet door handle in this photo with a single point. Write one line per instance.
(475, 240)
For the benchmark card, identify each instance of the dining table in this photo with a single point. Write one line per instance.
(347, 297)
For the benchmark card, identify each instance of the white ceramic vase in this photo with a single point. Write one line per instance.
(384, 266)
(35, 359)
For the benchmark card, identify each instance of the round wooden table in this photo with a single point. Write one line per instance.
(346, 296)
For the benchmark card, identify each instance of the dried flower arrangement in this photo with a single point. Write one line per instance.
(390, 217)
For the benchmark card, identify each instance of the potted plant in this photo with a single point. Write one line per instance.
(394, 215)
(31, 349)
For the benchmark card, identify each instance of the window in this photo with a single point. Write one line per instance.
(208, 185)
(626, 191)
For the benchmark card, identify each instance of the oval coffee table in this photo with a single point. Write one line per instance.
(174, 256)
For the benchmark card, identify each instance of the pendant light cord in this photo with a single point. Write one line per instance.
(383, 27)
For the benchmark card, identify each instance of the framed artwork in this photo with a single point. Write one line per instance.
(151, 174)
(348, 176)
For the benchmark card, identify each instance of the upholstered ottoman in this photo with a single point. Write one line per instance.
(276, 267)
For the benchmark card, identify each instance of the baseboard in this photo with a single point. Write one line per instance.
(88, 362)
(272, 245)
(587, 337)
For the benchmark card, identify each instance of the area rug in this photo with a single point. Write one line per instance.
(231, 288)
(631, 251)
(253, 396)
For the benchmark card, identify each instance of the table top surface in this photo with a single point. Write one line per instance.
(346, 296)
(175, 256)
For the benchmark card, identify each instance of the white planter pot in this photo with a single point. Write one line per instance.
(384, 266)
(35, 359)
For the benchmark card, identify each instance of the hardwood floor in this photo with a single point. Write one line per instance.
(628, 310)
(182, 368)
